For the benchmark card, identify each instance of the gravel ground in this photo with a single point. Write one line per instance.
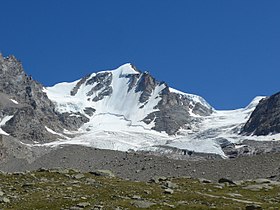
(135, 166)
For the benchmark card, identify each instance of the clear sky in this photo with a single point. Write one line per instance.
(227, 51)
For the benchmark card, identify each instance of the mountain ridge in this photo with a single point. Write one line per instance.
(31, 107)
(134, 94)
(122, 109)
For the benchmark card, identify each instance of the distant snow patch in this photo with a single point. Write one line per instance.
(14, 101)
(53, 132)
(3, 122)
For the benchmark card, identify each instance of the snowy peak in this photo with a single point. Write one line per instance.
(125, 69)
(132, 94)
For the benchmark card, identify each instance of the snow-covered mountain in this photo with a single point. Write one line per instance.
(128, 109)
(125, 109)
(135, 99)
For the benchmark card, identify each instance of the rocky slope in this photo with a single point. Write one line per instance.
(24, 107)
(265, 119)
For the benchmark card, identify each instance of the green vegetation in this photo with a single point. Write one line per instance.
(69, 189)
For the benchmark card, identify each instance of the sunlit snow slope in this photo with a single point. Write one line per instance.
(109, 94)
(128, 109)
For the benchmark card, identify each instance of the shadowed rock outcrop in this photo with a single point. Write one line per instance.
(265, 119)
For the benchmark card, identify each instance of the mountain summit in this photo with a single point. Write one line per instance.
(132, 95)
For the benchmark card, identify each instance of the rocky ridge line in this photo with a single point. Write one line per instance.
(31, 108)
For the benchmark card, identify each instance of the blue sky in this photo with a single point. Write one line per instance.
(226, 51)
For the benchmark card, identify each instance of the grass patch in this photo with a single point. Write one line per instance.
(57, 190)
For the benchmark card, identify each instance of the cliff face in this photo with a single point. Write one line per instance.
(25, 104)
(265, 119)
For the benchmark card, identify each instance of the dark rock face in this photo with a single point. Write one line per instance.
(102, 87)
(146, 84)
(76, 88)
(249, 148)
(174, 112)
(2, 149)
(73, 120)
(89, 111)
(201, 110)
(34, 110)
(266, 117)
